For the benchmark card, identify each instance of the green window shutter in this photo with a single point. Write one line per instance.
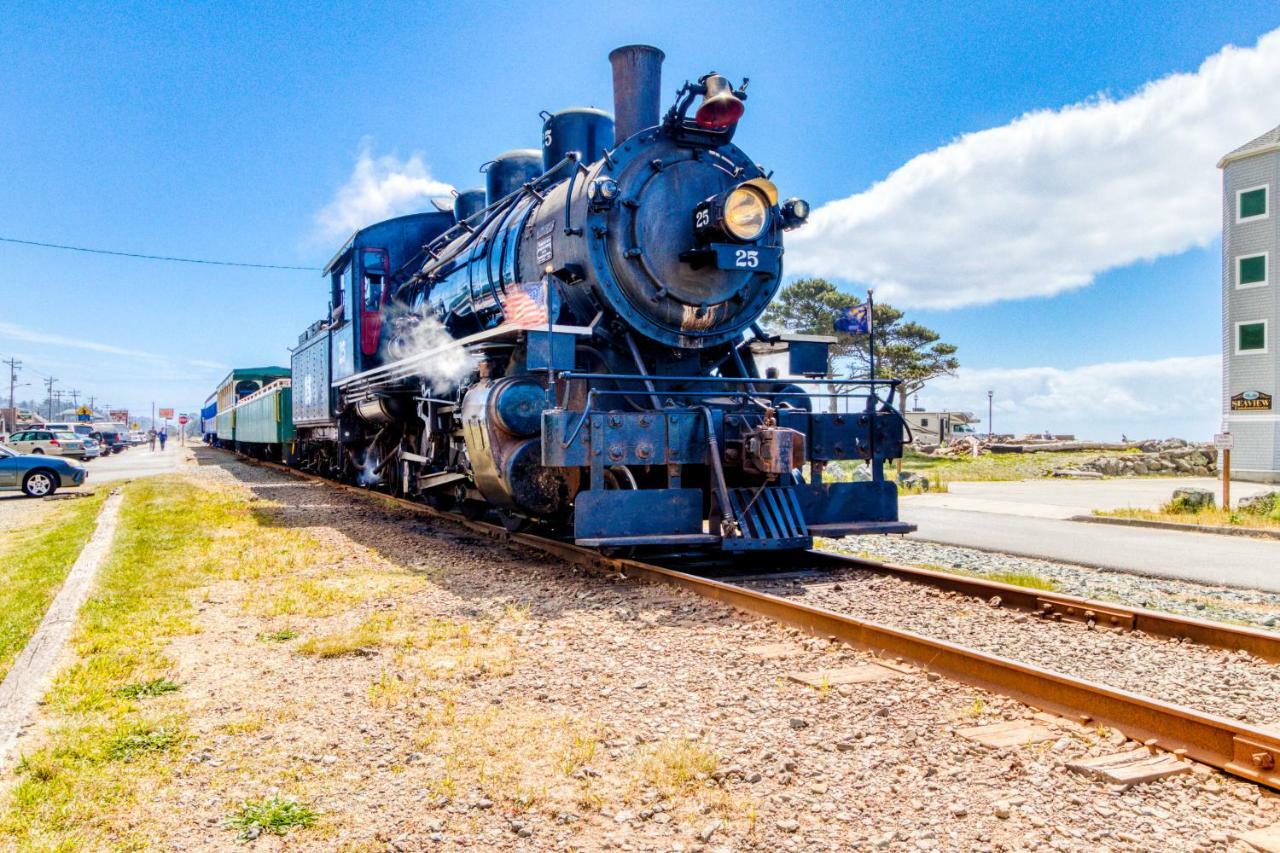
(1253, 336)
(1253, 270)
(1253, 203)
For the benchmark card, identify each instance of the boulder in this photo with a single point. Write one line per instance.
(912, 480)
(1191, 500)
(1263, 504)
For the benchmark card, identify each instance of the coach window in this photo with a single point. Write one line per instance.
(1252, 203)
(1251, 270)
(1251, 337)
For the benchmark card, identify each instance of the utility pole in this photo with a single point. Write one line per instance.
(91, 399)
(990, 396)
(75, 398)
(49, 383)
(14, 364)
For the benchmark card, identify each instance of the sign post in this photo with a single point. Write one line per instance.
(1224, 441)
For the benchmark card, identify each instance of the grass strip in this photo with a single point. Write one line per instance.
(109, 741)
(34, 561)
(1206, 517)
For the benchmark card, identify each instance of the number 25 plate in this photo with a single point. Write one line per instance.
(733, 257)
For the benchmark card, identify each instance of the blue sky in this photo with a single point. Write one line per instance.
(223, 132)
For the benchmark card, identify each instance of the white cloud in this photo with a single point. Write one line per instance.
(1048, 201)
(1141, 399)
(379, 188)
(14, 332)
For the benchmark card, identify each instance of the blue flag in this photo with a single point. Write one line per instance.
(855, 320)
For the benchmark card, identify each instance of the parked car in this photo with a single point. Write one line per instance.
(92, 449)
(85, 432)
(111, 435)
(44, 442)
(38, 476)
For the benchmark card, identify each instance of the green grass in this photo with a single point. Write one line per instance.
(281, 636)
(275, 815)
(129, 746)
(1031, 581)
(70, 792)
(1208, 517)
(142, 689)
(34, 561)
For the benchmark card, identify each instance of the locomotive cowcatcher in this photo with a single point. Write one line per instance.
(576, 344)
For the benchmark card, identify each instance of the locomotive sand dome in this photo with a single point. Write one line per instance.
(576, 346)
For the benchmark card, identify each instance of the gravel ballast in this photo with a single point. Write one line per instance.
(1228, 683)
(646, 668)
(1224, 604)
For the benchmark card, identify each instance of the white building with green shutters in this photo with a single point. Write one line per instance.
(1251, 307)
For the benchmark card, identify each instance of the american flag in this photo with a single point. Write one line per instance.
(525, 305)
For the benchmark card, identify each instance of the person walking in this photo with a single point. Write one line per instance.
(163, 436)
(151, 439)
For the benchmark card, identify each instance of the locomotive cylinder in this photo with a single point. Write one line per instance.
(637, 88)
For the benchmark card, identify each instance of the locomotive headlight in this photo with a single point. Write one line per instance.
(746, 213)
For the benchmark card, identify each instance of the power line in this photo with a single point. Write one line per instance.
(154, 257)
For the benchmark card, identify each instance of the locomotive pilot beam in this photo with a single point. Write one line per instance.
(574, 346)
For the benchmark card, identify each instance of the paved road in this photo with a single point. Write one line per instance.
(134, 462)
(1202, 557)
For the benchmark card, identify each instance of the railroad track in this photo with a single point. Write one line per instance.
(1243, 750)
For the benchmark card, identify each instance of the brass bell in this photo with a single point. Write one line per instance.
(720, 108)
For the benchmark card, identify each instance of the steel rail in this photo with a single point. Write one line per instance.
(1062, 607)
(1235, 747)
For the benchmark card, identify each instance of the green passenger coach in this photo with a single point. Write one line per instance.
(261, 422)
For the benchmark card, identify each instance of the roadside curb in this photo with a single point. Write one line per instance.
(1217, 529)
(33, 670)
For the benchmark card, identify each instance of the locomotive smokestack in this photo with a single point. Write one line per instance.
(637, 88)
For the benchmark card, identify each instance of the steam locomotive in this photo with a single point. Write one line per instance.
(576, 345)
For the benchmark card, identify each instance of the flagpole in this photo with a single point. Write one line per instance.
(877, 471)
(871, 335)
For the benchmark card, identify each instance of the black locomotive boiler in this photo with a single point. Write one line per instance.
(576, 345)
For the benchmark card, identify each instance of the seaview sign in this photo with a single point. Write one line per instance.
(1251, 401)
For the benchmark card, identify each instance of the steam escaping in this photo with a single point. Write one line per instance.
(433, 355)
(369, 475)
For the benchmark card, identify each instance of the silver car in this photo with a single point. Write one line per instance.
(43, 442)
(38, 476)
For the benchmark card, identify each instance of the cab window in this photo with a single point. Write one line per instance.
(374, 264)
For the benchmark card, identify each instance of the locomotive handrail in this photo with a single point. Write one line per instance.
(593, 393)
(485, 214)
(741, 380)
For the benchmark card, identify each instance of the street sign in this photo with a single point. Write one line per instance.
(166, 413)
(84, 413)
(120, 416)
(182, 420)
(1224, 441)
